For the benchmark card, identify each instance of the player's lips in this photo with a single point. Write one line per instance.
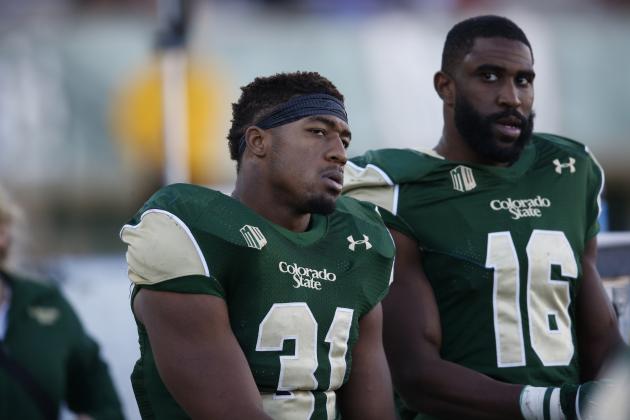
(333, 179)
(509, 126)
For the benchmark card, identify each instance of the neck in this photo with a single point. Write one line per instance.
(262, 200)
(452, 146)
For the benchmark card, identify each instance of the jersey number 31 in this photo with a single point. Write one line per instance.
(295, 321)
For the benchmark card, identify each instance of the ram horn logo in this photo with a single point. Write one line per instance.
(560, 166)
(365, 241)
(463, 179)
(253, 236)
(44, 315)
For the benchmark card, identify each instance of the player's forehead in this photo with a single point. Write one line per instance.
(499, 52)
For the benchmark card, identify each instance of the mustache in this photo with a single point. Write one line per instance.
(523, 120)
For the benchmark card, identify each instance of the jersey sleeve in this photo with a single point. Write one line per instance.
(163, 254)
(593, 179)
(595, 186)
(372, 184)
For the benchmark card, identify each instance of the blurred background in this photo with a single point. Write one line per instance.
(83, 124)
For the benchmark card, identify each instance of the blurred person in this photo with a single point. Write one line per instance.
(496, 309)
(610, 400)
(46, 357)
(266, 303)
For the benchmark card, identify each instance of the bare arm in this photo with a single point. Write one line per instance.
(412, 338)
(597, 327)
(368, 393)
(198, 356)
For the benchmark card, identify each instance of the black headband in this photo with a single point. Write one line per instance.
(297, 108)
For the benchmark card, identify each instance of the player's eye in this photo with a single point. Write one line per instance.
(523, 80)
(318, 131)
(489, 76)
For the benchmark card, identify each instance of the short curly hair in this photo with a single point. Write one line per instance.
(461, 38)
(261, 96)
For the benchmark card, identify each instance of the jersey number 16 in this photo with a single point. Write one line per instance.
(547, 299)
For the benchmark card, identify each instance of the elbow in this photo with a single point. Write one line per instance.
(417, 373)
(414, 388)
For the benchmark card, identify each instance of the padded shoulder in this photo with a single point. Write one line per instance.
(396, 166)
(369, 183)
(161, 247)
(186, 201)
(550, 146)
(367, 219)
(564, 143)
(375, 176)
(364, 211)
(204, 211)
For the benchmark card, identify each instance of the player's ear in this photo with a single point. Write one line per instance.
(445, 87)
(256, 142)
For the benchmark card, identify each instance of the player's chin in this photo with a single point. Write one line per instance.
(324, 203)
(506, 152)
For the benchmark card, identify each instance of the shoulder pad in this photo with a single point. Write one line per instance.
(366, 219)
(186, 201)
(203, 212)
(560, 142)
(375, 176)
(395, 166)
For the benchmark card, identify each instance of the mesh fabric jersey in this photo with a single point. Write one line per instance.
(283, 289)
(502, 249)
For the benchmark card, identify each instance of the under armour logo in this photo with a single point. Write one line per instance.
(365, 241)
(560, 166)
(253, 237)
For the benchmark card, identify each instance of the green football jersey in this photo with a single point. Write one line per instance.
(294, 299)
(502, 249)
(45, 338)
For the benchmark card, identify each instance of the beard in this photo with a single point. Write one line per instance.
(477, 131)
(303, 198)
(321, 204)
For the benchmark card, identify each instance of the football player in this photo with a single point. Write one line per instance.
(496, 309)
(265, 304)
